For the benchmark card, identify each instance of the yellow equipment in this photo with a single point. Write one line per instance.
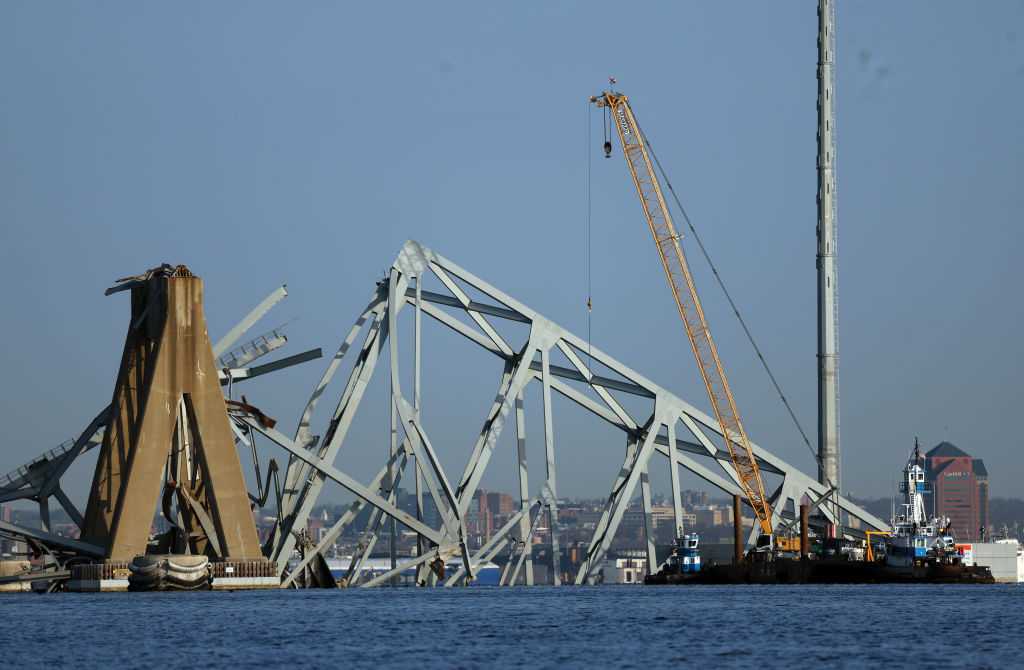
(666, 238)
(787, 543)
(869, 555)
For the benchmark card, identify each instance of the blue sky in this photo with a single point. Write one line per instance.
(264, 143)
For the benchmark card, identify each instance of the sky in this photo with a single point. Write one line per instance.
(267, 143)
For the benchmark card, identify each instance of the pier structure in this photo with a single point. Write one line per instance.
(168, 438)
(165, 442)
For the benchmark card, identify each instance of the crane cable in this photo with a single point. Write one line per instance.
(590, 304)
(728, 296)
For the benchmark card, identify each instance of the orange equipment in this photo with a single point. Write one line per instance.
(667, 239)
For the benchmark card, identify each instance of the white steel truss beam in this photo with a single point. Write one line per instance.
(523, 361)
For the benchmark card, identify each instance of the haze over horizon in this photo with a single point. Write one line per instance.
(304, 147)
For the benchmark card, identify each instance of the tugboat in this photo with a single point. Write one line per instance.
(913, 533)
(923, 548)
(686, 556)
(682, 564)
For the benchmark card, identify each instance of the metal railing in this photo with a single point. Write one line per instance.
(17, 474)
(246, 353)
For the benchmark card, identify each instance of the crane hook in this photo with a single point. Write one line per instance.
(606, 116)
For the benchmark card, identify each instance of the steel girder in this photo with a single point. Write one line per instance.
(589, 377)
(656, 431)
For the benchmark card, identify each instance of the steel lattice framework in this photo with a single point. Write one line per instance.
(666, 426)
(669, 427)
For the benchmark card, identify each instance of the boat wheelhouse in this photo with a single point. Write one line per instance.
(686, 556)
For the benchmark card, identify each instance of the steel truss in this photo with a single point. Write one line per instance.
(557, 360)
(669, 427)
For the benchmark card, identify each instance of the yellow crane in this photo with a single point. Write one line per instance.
(667, 239)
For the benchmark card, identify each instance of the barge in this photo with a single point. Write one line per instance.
(918, 550)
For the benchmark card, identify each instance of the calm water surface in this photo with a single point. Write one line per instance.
(617, 627)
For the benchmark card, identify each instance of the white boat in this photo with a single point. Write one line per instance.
(917, 539)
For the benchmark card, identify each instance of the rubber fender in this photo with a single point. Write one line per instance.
(171, 582)
(180, 565)
(145, 565)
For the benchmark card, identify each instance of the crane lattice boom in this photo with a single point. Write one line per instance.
(685, 292)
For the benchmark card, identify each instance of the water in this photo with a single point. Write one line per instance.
(622, 627)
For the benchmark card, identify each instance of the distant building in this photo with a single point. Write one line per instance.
(488, 513)
(959, 489)
(501, 503)
(479, 519)
(981, 477)
(407, 503)
(694, 498)
(316, 529)
(664, 515)
(713, 516)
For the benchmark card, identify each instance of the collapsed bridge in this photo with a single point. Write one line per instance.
(659, 431)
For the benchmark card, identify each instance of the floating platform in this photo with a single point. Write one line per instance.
(826, 571)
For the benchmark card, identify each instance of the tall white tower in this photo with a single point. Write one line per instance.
(828, 306)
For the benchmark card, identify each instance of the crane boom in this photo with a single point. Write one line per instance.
(667, 239)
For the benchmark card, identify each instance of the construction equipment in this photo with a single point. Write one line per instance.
(869, 553)
(638, 157)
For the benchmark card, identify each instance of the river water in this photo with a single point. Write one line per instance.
(880, 626)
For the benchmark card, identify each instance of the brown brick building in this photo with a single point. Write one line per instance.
(502, 503)
(959, 490)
